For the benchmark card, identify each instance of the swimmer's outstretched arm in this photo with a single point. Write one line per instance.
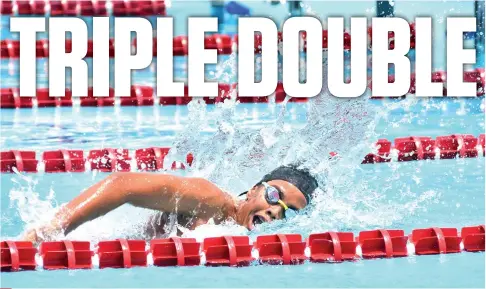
(165, 193)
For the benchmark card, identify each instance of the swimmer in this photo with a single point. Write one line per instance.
(192, 201)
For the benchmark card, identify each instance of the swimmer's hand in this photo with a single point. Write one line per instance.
(47, 232)
(31, 236)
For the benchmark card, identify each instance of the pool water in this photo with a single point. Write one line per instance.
(224, 138)
(448, 193)
(430, 271)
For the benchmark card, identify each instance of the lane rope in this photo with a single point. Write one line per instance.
(84, 8)
(152, 159)
(279, 249)
(141, 95)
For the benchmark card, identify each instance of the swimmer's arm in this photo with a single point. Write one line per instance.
(165, 193)
(96, 201)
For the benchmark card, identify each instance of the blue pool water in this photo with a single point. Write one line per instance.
(445, 193)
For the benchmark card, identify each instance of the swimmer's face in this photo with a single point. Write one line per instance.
(256, 210)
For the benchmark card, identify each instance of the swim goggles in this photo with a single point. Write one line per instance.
(272, 195)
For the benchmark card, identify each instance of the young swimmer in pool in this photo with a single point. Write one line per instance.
(195, 200)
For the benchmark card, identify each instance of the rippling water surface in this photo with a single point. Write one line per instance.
(234, 145)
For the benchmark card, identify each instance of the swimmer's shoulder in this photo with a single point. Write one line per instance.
(198, 184)
(210, 194)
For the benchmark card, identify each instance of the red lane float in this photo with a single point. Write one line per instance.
(175, 251)
(62, 8)
(463, 146)
(228, 251)
(91, 101)
(63, 161)
(89, 52)
(17, 255)
(180, 45)
(286, 249)
(6, 7)
(109, 160)
(473, 238)
(139, 96)
(346, 43)
(415, 148)
(122, 253)
(44, 100)
(66, 255)
(83, 8)
(10, 98)
(436, 77)
(222, 43)
(384, 147)
(383, 243)
(281, 249)
(42, 48)
(152, 159)
(477, 76)
(10, 48)
(138, 8)
(23, 161)
(436, 241)
(332, 247)
(88, 8)
(424, 148)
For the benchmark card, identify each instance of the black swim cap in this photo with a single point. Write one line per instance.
(300, 178)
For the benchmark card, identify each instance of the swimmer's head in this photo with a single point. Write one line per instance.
(285, 188)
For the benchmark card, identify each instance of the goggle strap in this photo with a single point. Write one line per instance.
(283, 205)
